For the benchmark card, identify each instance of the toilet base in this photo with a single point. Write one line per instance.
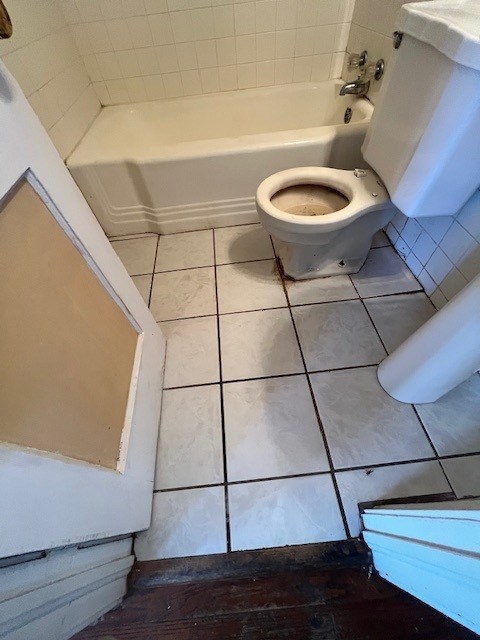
(304, 262)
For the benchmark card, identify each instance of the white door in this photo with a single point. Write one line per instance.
(50, 497)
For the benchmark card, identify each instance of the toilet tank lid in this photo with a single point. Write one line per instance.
(451, 26)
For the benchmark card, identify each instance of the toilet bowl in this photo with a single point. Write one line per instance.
(322, 220)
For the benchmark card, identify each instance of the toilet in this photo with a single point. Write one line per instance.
(322, 220)
(421, 144)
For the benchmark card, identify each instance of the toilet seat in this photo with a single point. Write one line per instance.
(365, 193)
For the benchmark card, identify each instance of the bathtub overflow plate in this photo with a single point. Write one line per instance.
(348, 115)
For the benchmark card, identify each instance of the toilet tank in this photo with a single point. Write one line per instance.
(424, 136)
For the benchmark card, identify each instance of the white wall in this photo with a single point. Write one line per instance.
(43, 57)
(149, 49)
(443, 252)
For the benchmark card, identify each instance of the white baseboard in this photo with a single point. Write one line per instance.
(57, 596)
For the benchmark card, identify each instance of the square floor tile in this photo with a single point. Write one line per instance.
(183, 294)
(337, 334)
(143, 284)
(190, 449)
(238, 244)
(137, 255)
(192, 352)
(380, 240)
(185, 251)
(275, 513)
(320, 290)
(397, 317)
(246, 286)
(190, 522)
(258, 344)
(271, 429)
(363, 424)
(453, 422)
(383, 273)
(381, 483)
(464, 475)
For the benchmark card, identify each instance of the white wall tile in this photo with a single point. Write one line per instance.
(208, 34)
(173, 85)
(202, 23)
(166, 28)
(44, 56)
(117, 90)
(438, 266)
(283, 71)
(154, 87)
(206, 54)
(192, 84)
(226, 51)
(245, 48)
(210, 80)
(457, 243)
(265, 73)
(265, 15)
(223, 21)
(265, 47)
(247, 76)
(228, 78)
(167, 58)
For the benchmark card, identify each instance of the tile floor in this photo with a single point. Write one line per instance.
(274, 426)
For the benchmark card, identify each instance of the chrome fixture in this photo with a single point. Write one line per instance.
(374, 70)
(397, 39)
(357, 60)
(366, 73)
(357, 88)
(6, 29)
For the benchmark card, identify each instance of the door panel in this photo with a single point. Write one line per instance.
(82, 359)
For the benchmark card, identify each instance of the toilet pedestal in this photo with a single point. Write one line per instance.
(440, 355)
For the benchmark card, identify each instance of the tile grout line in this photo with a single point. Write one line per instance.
(278, 375)
(153, 273)
(312, 395)
(294, 306)
(378, 465)
(222, 406)
(427, 435)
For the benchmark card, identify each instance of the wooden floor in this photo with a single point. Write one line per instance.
(321, 592)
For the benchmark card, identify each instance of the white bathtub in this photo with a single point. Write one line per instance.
(194, 163)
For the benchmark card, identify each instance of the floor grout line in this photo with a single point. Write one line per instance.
(151, 283)
(222, 406)
(378, 465)
(317, 412)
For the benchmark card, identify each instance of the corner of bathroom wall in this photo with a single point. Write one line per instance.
(135, 51)
(442, 252)
(44, 59)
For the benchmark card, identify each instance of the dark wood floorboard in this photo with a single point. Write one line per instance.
(317, 592)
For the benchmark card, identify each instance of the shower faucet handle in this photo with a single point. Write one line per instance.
(357, 60)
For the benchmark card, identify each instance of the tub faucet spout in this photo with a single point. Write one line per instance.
(357, 88)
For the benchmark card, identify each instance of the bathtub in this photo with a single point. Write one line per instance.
(194, 163)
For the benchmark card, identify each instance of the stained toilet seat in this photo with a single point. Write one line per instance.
(362, 188)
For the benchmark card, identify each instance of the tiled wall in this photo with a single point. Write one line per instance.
(44, 59)
(149, 49)
(443, 252)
